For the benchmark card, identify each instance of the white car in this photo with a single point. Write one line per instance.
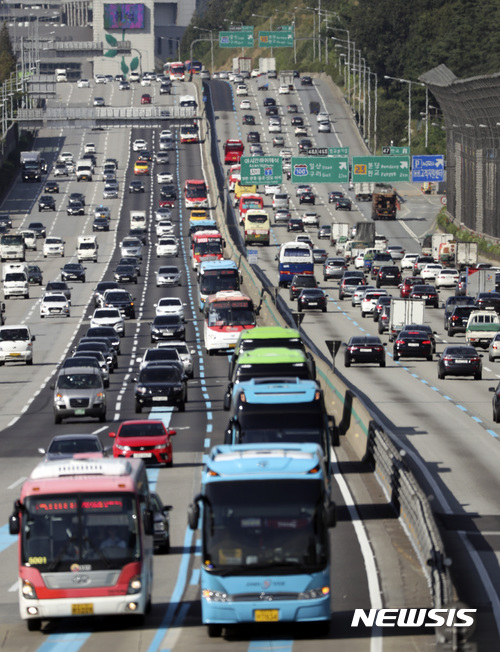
(145, 81)
(447, 278)
(60, 169)
(369, 301)
(430, 271)
(65, 157)
(301, 188)
(108, 317)
(163, 213)
(271, 189)
(139, 145)
(284, 89)
(359, 261)
(300, 131)
(53, 246)
(168, 275)
(167, 246)
(131, 247)
(54, 305)
(89, 148)
(310, 218)
(241, 89)
(166, 133)
(322, 116)
(164, 177)
(170, 306)
(245, 105)
(164, 227)
(274, 127)
(156, 355)
(255, 72)
(185, 354)
(30, 239)
(408, 261)
(359, 292)
(83, 83)
(325, 128)
(134, 77)
(100, 79)
(397, 252)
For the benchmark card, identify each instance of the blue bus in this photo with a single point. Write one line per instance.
(202, 225)
(265, 518)
(294, 258)
(216, 276)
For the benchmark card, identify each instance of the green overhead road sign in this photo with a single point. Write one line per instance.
(380, 169)
(338, 151)
(320, 169)
(240, 37)
(281, 39)
(261, 169)
(396, 151)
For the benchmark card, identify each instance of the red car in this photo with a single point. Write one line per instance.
(146, 98)
(407, 285)
(147, 440)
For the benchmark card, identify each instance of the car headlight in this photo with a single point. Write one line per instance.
(122, 448)
(141, 390)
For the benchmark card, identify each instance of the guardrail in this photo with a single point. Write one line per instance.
(355, 421)
(103, 114)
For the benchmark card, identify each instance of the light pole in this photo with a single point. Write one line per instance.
(410, 84)
(203, 29)
(313, 11)
(291, 13)
(270, 19)
(348, 41)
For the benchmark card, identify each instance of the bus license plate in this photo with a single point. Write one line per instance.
(266, 615)
(79, 412)
(82, 609)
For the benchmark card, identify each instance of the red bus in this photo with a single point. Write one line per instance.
(249, 202)
(206, 245)
(233, 151)
(176, 70)
(90, 519)
(226, 315)
(233, 175)
(195, 193)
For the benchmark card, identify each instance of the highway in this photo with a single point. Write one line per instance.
(408, 397)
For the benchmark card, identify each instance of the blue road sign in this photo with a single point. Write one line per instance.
(427, 168)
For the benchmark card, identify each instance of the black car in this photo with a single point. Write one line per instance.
(75, 207)
(292, 108)
(348, 285)
(426, 329)
(160, 384)
(101, 288)
(253, 137)
(51, 186)
(168, 192)
(306, 81)
(66, 446)
(131, 260)
(161, 523)
(165, 88)
(73, 272)
(383, 300)
(325, 232)
(388, 275)
(334, 268)
(39, 228)
(136, 186)
(307, 198)
(139, 233)
(248, 120)
(58, 287)
(100, 224)
(334, 196)
(269, 101)
(145, 155)
(458, 319)
(35, 276)
(122, 300)
(496, 402)
(384, 319)
(312, 299)
(105, 348)
(426, 292)
(461, 286)
(453, 301)
(305, 145)
(125, 274)
(412, 344)
(78, 196)
(364, 349)
(167, 327)
(46, 203)
(297, 121)
(343, 204)
(488, 300)
(109, 333)
(461, 360)
(300, 281)
(91, 157)
(295, 224)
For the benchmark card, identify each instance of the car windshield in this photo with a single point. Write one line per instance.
(79, 381)
(12, 334)
(70, 447)
(106, 314)
(142, 429)
(163, 374)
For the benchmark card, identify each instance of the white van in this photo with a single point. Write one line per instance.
(138, 220)
(15, 281)
(16, 344)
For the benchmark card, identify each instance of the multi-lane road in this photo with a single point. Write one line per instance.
(445, 426)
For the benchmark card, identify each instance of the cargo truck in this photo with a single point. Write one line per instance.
(480, 280)
(482, 327)
(364, 191)
(404, 312)
(266, 64)
(31, 166)
(384, 202)
(339, 230)
(61, 75)
(242, 64)
(437, 240)
(447, 252)
(466, 254)
(84, 170)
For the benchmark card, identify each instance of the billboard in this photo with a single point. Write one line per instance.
(119, 16)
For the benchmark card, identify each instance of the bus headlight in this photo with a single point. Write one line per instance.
(28, 590)
(315, 594)
(215, 596)
(135, 585)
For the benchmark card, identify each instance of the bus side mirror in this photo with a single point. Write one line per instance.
(14, 525)
(331, 515)
(193, 515)
(148, 522)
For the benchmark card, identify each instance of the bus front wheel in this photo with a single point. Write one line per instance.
(34, 624)
(214, 631)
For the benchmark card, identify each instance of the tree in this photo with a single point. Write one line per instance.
(7, 58)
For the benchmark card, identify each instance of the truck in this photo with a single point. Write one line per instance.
(466, 254)
(31, 166)
(365, 231)
(364, 191)
(339, 230)
(12, 247)
(61, 75)
(86, 248)
(437, 240)
(242, 65)
(266, 64)
(482, 327)
(286, 79)
(480, 280)
(384, 202)
(15, 280)
(404, 312)
(83, 170)
(447, 253)
(271, 557)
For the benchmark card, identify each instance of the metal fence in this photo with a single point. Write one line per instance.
(472, 121)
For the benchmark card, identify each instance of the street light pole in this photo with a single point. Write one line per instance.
(270, 19)
(291, 13)
(348, 41)
(410, 83)
(203, 29)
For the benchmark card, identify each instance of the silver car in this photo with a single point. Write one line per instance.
(131, 247)
(185, 354)
(168, 275)
(79, 393)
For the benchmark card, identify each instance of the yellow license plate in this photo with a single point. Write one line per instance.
(266, 615)
(14, 355)
(82, 609)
